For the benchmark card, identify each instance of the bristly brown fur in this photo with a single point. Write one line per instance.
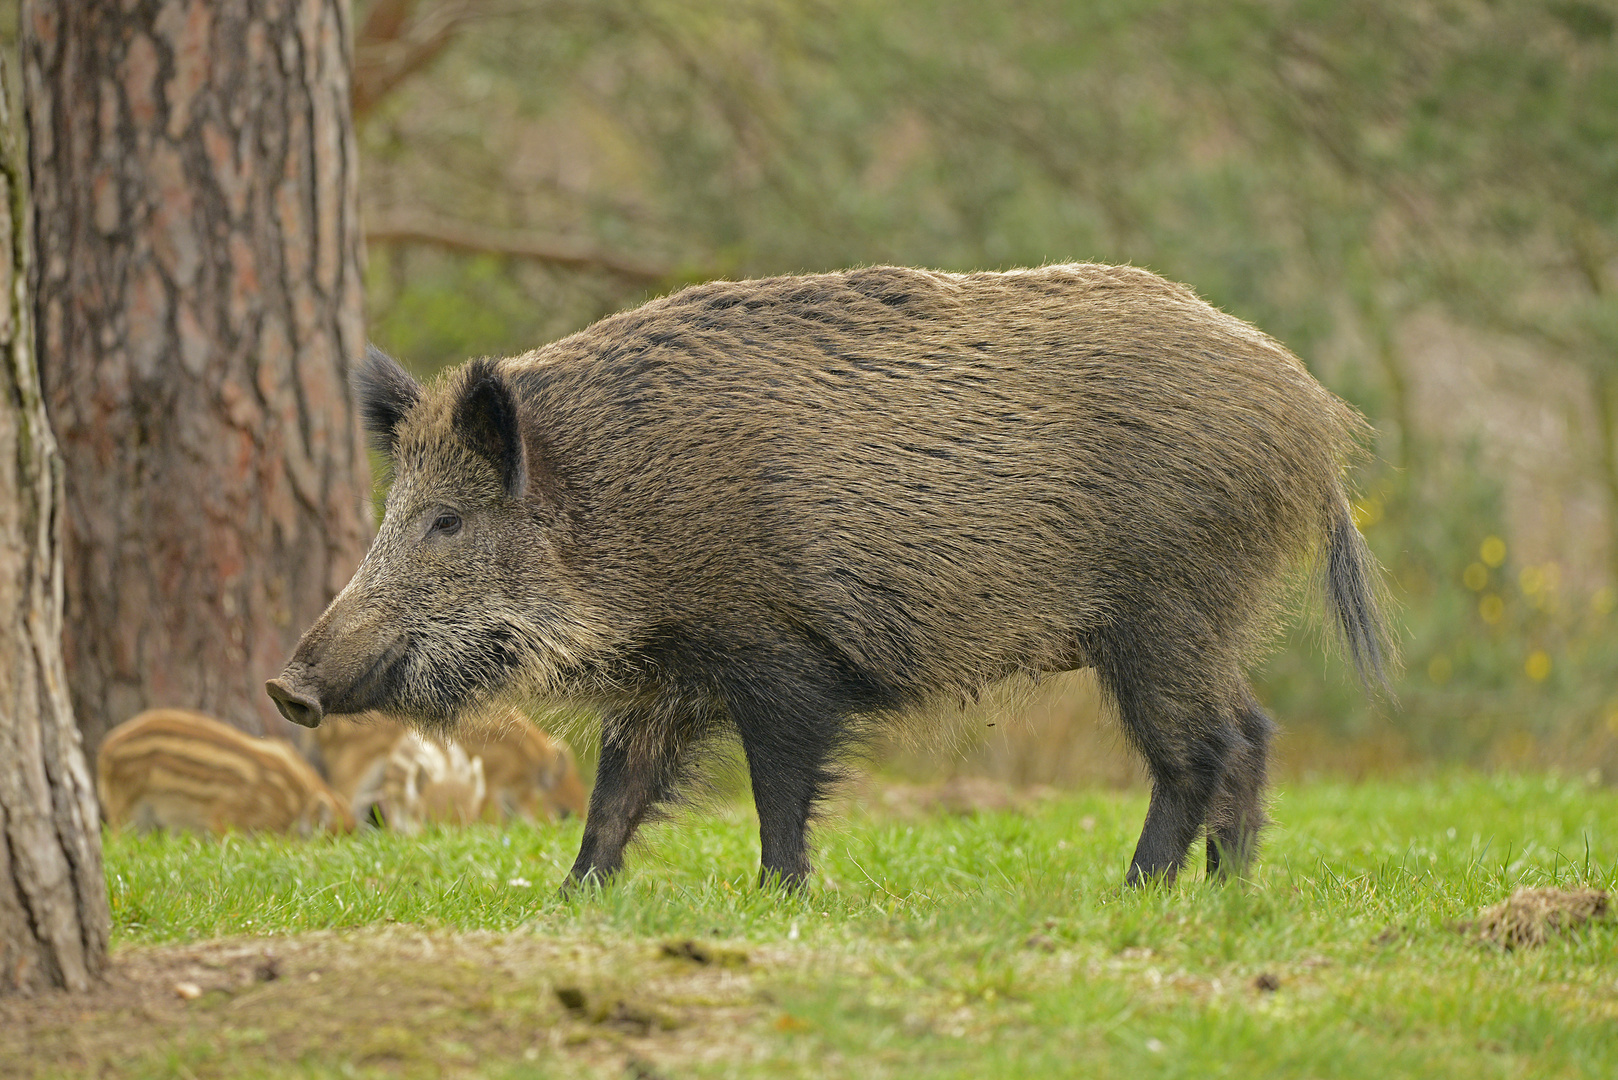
(799, 507)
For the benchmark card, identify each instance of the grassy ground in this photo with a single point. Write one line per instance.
(984, 944)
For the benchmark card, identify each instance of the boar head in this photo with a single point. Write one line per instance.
(462, 597)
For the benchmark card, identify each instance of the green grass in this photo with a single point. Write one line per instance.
(994, 944)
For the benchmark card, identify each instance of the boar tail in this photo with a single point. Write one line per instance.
(1357, 604)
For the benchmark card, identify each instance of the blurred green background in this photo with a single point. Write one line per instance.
(1419, 198)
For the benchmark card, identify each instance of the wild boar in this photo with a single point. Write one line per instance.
(352, 752)
(800, 508)
(183, 771)
(424, 781)
(528, 774)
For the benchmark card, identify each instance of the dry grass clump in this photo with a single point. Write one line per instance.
(1530, 917)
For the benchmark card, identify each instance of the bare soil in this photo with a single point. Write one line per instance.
(393, 1002)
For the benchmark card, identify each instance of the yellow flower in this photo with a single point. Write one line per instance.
(1538, 666)
(1476, 577)
(1491, 608)
(1493, 551)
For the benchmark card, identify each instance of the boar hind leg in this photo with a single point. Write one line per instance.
(1169, 714)
(1238, 813)
(643, 759)
(1183, 788)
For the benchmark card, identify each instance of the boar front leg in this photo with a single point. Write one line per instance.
(644, 756)
(791, 740)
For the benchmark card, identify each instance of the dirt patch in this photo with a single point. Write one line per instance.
(1531, 917)
(391, 1002)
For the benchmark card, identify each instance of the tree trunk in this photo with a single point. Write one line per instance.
(199, 305)
(53, 897)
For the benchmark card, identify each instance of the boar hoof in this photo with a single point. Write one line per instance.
(790, 882)
(592, 880)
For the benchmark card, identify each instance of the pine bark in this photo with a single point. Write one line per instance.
(53, 898)
(199, 303)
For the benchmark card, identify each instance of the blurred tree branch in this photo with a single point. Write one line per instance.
(477, 239)
(391, 46)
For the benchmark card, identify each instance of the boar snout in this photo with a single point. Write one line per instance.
(296, 705)
(322, 680)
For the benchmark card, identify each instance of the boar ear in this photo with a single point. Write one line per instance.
(486, 417)
(386, 393)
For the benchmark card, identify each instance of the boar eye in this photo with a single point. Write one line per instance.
(446, 523)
